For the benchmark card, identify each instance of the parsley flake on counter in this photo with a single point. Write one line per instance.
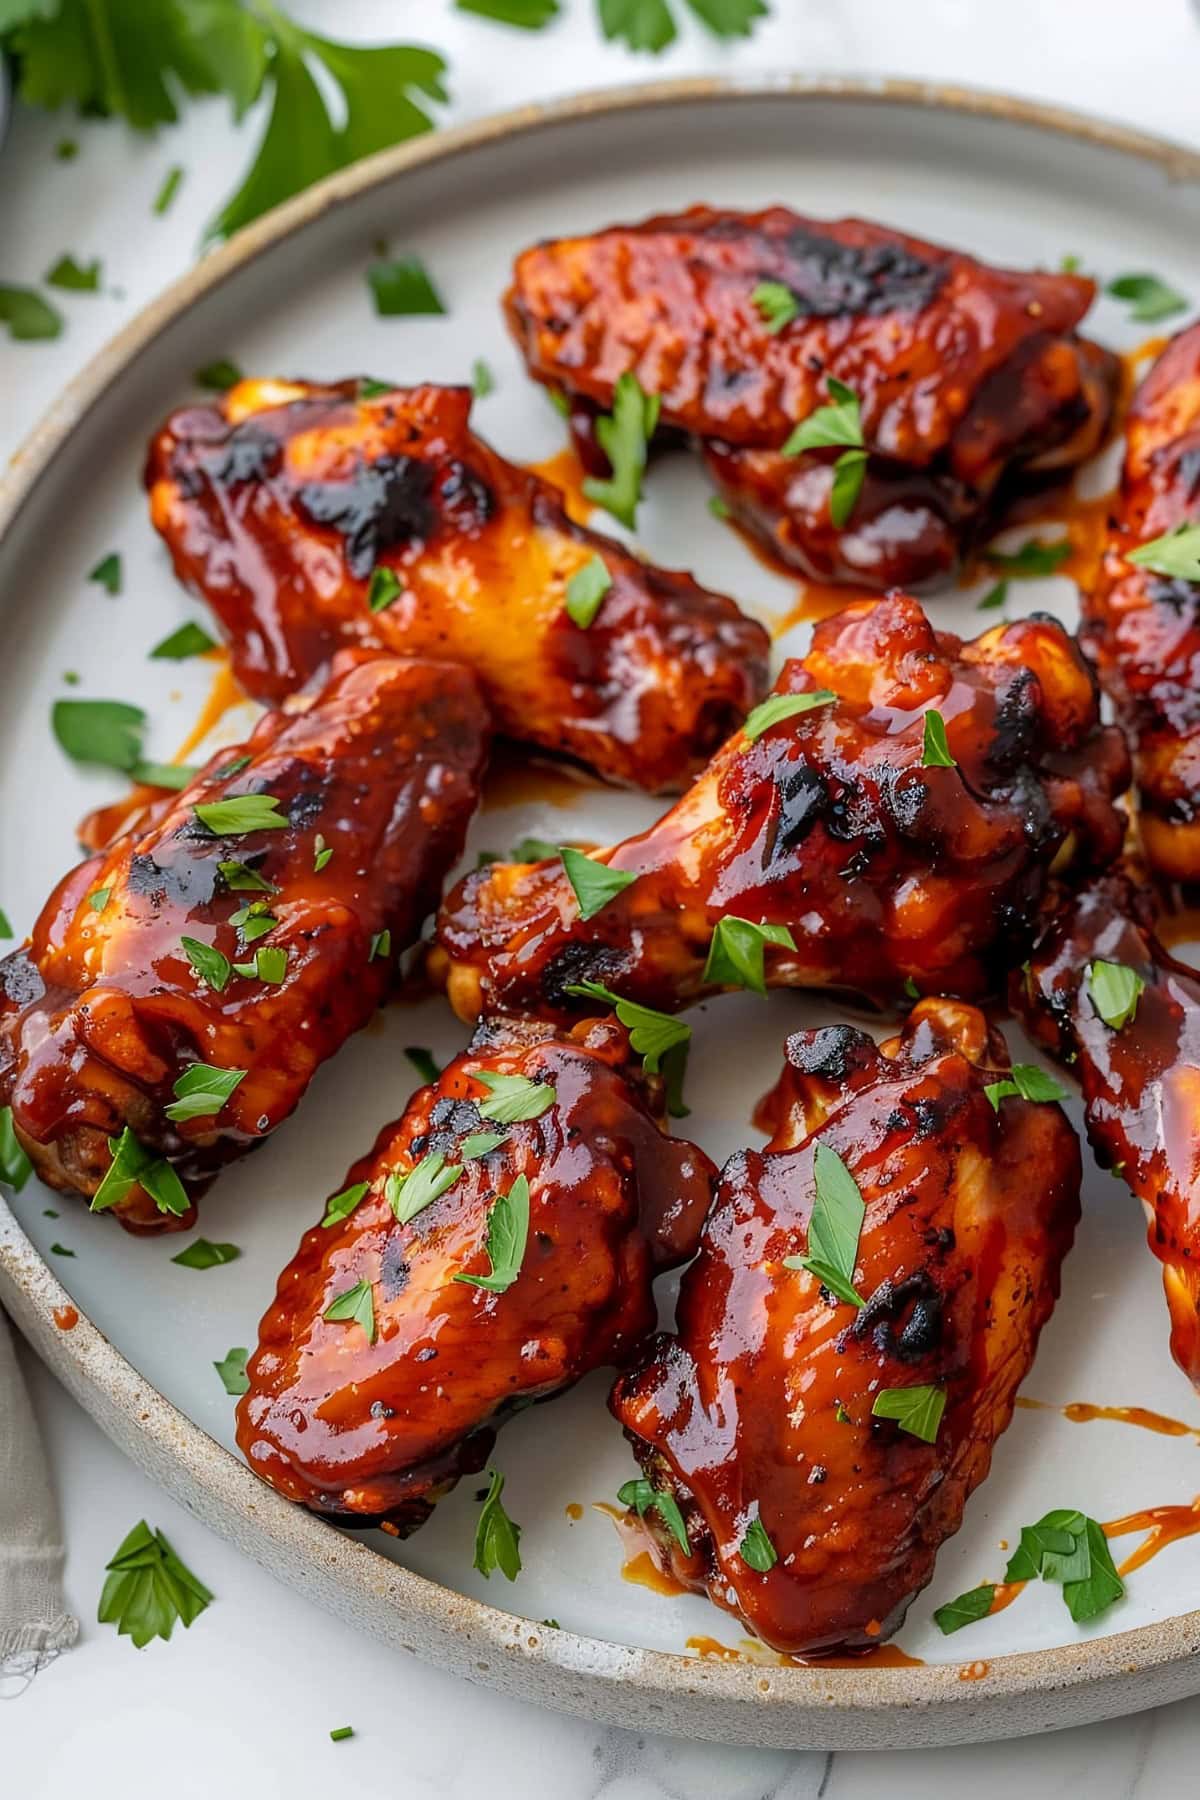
(356, 1305)
(736, 955)
(777, 707)
(425, 1182)
(756, 1549)
(526, 15)
(422, 1061)
(1034, 558)
(497, 1537)
(1115, 991)
(322, 852)
(15, 1166)
(203, 1254)
(340, 1732)
(1028, 1082)
(210, 964)
(507, 1235)
(133, 1166)
(624, 436)
(483, 382)
(661, 1041)
(202, 1091)
(190, 640)
(833, 426)
(593, 883)
(239, 877)
(834, 1227)
(644, 1497)
(585, 592)
(966, 1609)
(1149, 298)
(935, 748)
(402, 288)
(775, 304)
(340, 1206)
(232, 1370)
(917, 1410)
(514, 1098)
(75, 277)
(170, 187)
(218, 377)
(385, 587)
(107, 573)
(1176, 554)
(148, 1589)
(269, 964)
(29, 318)
(242, 813)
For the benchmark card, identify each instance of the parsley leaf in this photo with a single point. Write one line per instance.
(1175, 554)
(148, 1589)
(1066, 1546)
(594, 884)
(655, 1036)
(585, 592)
(210, 964)
(776, 305)
(218, 377)
(190, 640)
(29, 318)
(422, 1062)
(643, 1497)
(403, 288)
(839, 423)
(357, 1305)
(6, 929)
(650, 24)
(719, 508)
(994, 600)
(1032, 559)
(269, 964)
(244, 812)
(107, 732)
(849, 473)
(483, 382)
(507, 1235)
(340, 1733)
(1150, 299)
(533, 849)
(167, 192)
(410, 1193)
(340, 1206)
(624, 437)
(133, 1166)
(1028, 1082)
(736, 953)
(107, 573)
(756, 1549)
(75, 277)
(526, 15)
(834, 1227)
(202, 1091)
(777, 707)
(60, 1250)
(15, 1166)
(98, 898)
(1115, 991)
(481, 1143)
(202, 1254)
(917, 1410)
(385, 587)
(966, 1609)
(232, 1370)
(514, 1098)
(497, 1537)
(322, 852)
(164, 775)
(935, 749)
(381, 945)
(1101, 1587)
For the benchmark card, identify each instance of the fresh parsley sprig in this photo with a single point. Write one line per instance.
(149, 1588)
(497, 1537)
(834, 1227)
(624, 436)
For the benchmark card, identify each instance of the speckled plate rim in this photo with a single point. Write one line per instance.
(729, 1701)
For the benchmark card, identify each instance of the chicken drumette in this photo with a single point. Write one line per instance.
(809, 1508)
(182, 986)
(1102, 993)
(970, 379)
(312, 517)
(1143, 627)
(372, 1417)
(829, 826)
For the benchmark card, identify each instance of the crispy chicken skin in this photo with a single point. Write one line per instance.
(370, 1431)
(102, 1010)
(1142, 629)
(278, 502)
(885, 871)
(760, 1407)
(1141, 1082)
(970, 378)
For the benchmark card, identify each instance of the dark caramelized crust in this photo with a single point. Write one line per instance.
(1141, 1083)
(966, 374)
(377, 1430)
(1144, 629)
(279, 502)
(760, 1407)
(102, 1010)
(884, 871)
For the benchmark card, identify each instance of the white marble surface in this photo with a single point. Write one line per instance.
(243, 1703)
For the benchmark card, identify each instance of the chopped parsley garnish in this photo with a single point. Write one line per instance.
(201, 1253)
(340, 1206)
(370, 389)
(594, 884)
(6, 929)
(624, 436)
(756, 1549)
(1176, 554)
(718, 507)
(218, 377)
(148, 1589)
(776, 305)
(526, 15)
(507, 1235)
(834, 1227)
(202, 1091)
(66, 149)
(644, 1497)
(15, 1166)
(75, 277)
(1149, 298)
(935, 748)
(29, 318)
(481, 1143)
(833, 426)
(190, 640)
(253, 920)
(381, 946)
(321, 853)
(107, 574)
(966, 1609)
(167, 192)
(917, 1410)
(422, 1061)
(241, 813)
(410, 1193)
(356, 1305)
(1115, 991)
(995, 598)
(513, 1098)
(777, 707)
(172, 776)
(911, 988)
(497, 1537)
(483, 382)
(269, 964)
(661, 1041)
(239, 877)
(385, 587)
(340, 1732)
(586, 590)
(1064, 1547)
(60, 1250)
(133, 1166)
(1026, 1081)
(736, 953)
(107, 732)
(650, 24)
(533, 849)
(1034, 558)
(402, 288)
(232, 1370)
(210, 964)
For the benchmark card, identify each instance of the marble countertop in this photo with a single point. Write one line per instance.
(243, 1703)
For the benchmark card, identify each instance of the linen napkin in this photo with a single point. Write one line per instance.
(35, 1625)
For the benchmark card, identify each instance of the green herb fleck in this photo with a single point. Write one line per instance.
(644, 1497)
(385, 588)
(624, 436)
(917, 1410)
(402, 288)
(777, 707)
(586, 590)
(935, 749)
(834, 1227)
(190, 640)
(232, 1370)
(497, 1537)
(507, 1235)
(201, 1253)
(357, 1306)
(149, 1588)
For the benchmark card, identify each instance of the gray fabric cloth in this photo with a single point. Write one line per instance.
(35, 1625)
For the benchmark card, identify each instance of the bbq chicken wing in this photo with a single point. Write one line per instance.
(374, 1419)
(243, 929)
(764, 1412)
(312, 517)
(828, 826)
(1142, 628)
(970, 379)
(1140, 1073)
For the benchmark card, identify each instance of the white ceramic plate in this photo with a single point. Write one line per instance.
(1004, 181)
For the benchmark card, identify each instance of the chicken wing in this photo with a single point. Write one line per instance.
(1143, 628)
(312, 517)
(375, 1419)
(182, 986)
(810, 1510)
(970, 379)
(1140, 1073)
(830, 826)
